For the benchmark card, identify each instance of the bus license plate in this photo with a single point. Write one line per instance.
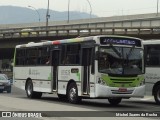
(122, 90)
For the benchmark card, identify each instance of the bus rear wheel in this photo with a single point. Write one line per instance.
(72, 93)
(30, 92)
(157, 94)
(114, 101)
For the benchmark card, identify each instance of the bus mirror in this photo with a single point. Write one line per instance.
(97, 55)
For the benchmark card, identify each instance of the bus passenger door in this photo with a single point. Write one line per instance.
(55, 63)
(86, 61)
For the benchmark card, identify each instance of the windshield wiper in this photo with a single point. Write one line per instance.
(115, 50)
(130, 52)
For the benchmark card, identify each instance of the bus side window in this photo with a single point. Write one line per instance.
(43, 56)
(70, 54)
(66, 60)
(153, 56)
(63, 54)
(20, 57)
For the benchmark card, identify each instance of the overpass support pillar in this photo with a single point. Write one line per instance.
(101, 31)
(67, 32)
(113, 31)
(125, 31)
(47, 33)
(89, 31)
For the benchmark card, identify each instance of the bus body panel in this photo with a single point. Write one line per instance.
(19, 83)
(43, 77)
(74, 73)
(105, 91)
(66, 74)
(152, 76)
(40, 76)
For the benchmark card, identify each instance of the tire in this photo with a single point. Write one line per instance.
(72, 93)
(9, 90)
(114, 101)
(157, 94)
(30, 92)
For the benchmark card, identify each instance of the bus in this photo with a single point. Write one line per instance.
(152, 63)
(104, 66)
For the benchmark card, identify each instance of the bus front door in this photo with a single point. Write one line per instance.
(55, 63)
(86, 59)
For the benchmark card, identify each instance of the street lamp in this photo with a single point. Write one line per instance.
(90, 8)
(47, 16)
(69, 11)
(157, 6)
(36, 11)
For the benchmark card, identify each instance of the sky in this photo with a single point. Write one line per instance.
(101, 8)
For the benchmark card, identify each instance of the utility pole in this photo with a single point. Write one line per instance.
(157, 6)
(90, 8)
(47, 16)
(68, 10)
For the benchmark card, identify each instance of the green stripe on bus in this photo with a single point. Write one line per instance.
(78, 75)
(122, 81)
(49, 76)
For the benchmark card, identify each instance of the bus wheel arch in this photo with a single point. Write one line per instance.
(69, 82)
(156, 92)
(72, 92)
(27, 82)
(114, 101)
(29, 90)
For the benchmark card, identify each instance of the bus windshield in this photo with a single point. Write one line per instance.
(115, 60)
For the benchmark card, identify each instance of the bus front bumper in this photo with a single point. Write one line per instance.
(106, 91)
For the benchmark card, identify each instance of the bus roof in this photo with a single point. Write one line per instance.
(72, 40)
(151, 42)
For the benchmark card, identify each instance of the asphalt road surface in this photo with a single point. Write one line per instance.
(88, 109)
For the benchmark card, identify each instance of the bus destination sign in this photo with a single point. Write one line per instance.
(121, 41)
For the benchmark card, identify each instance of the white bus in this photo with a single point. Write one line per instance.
(103, 66)
(152, 61)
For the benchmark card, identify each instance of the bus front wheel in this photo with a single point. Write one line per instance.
(157, 94)
(114, 101)
(72, 93)
(30, 92)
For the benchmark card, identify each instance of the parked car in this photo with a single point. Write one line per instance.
(5, 84)
(25, 32)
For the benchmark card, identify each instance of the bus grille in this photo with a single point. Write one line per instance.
(122, 81)
(118, 92)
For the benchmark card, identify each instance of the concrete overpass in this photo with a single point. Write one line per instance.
(133, 25)
(145, 26)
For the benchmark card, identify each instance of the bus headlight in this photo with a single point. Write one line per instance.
(101, 81)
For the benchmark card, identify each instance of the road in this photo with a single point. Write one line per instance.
(93, 108)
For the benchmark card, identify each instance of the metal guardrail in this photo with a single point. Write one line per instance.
(133, 24)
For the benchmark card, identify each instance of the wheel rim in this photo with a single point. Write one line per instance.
(158, 95)
(29, 89)
(72, 93)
